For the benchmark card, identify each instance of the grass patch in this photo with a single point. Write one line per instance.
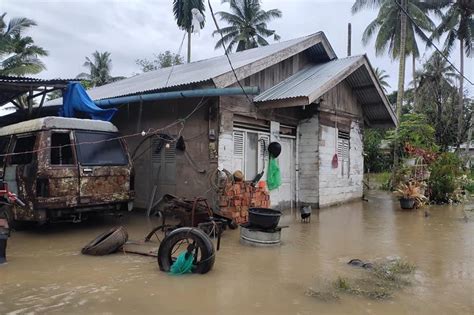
(378, 283)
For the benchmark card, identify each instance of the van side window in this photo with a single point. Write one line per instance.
(61, 149)
(23, 150)
(99, 148)
(4, 142)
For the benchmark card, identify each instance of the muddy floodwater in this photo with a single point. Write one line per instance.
(47, 274)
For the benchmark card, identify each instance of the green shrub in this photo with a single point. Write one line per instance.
(376, 160)
(414, 129)
(445, 178)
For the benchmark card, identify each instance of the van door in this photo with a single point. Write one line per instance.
(104, 170)
(57, 185)
(20, 172)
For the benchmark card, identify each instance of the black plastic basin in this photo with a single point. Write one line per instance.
(264, 218)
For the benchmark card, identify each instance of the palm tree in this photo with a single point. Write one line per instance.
(247, 25)
(182, 14)
(382, 76)
(99, 69)
(458, 24)
(397, 35)
(18, 53)
(388, 23)
(437, 98)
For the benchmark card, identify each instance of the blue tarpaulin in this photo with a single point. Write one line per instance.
(77, 99)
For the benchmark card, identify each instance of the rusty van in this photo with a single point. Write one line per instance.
(64, 169)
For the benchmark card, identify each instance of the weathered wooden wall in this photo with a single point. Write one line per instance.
(275, 74)
(157, 115)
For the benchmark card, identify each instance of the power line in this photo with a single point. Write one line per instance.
(172, 61)
(225, 51)
(150, 131)
(430, 42)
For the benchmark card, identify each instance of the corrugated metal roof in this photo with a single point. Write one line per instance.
(312, 82)
(11, 86)
(14, 79)
(205, 70)
(308, 80)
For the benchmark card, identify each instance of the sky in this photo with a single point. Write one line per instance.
(70, 30)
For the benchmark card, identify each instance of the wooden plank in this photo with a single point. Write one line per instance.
(141, 248)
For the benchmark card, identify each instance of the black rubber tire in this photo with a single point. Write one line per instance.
(107, 242)
(203, 241)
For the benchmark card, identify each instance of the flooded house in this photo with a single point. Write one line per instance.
(185, 122)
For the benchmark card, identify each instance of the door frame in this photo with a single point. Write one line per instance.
(293, 200)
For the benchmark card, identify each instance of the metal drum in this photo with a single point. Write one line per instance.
(259, 237)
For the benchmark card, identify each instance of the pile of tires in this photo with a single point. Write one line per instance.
(107, 242)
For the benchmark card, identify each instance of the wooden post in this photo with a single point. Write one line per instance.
(30, 102)
(139, 120)
(349, 40)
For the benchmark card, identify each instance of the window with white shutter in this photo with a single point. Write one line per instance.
(263, 155)
(239, 145)
(343, 151)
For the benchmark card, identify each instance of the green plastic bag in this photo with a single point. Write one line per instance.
(273, 176)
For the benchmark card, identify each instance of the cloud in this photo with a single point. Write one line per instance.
(131, 29)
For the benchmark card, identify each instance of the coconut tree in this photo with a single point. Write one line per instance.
(182, 14)
(396, 35)
(382, 76)
(458, 25)
(18, 54)
(99, 69)
(437, 99)
(387, 25)
(247, 25)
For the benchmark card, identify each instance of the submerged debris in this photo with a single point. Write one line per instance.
(379, 281)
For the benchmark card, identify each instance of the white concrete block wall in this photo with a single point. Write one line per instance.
(308, 175)
(333, 186)
(226, 151)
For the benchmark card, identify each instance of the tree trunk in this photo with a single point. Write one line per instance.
(461, 95)
(414, 81)
(189, 45)
(401, 83)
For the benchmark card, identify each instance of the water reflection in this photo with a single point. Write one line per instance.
(46, 273)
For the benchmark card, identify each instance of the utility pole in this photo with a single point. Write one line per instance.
(189, 45)
(349, 40)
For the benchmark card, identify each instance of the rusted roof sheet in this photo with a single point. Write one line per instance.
(312, 82)
(11, 87)
(215, 70)
(57, 123)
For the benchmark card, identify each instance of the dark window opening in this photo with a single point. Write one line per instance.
(99, 148)
(61, 150)
(4, 142)
(22, 153)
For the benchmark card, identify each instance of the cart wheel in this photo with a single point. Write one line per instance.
(178, 240)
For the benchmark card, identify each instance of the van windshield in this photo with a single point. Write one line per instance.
(99, 148)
